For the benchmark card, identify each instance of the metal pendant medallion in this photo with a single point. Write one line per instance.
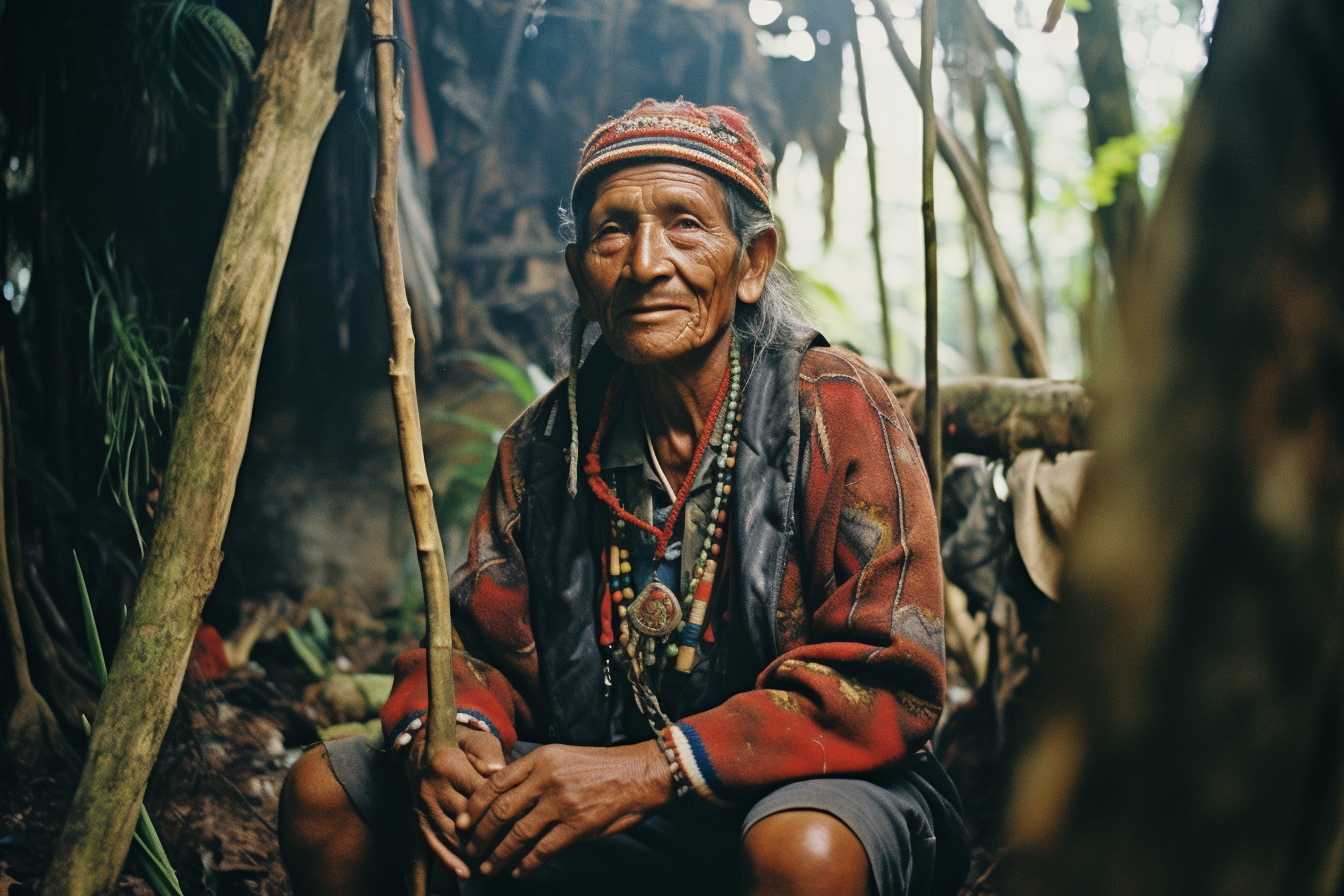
(655, 612)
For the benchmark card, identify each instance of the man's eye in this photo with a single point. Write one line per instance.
(687, 224)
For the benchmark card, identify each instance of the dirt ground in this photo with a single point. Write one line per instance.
(213, 795)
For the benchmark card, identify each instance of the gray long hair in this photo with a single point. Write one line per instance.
(780, 313)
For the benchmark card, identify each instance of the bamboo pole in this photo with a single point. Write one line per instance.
(294, 100)
(888, 351)
(442, 727)
(932, 411)
(1030, 349)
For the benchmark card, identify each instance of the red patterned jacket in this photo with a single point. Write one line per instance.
(825, 653)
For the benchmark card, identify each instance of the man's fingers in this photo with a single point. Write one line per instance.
(483, 750)
(440, 849)
(498, 819)
(442, 805)
(558, 838)
(518, 842)
(452, 765)
(500, 782)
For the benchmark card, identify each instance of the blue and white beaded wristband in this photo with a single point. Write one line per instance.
(411, 725)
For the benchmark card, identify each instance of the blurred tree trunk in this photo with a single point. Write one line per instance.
(1192, 729)
(1101, 60)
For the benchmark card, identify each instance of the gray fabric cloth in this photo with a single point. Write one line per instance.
(690, 845)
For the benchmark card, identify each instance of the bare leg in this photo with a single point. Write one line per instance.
(803, 853)
(327, 848)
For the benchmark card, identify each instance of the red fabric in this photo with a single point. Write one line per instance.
(859, 681)
(208, 660)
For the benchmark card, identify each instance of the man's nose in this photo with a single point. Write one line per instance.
(648, 253)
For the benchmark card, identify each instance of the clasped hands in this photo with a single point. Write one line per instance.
(474, 809)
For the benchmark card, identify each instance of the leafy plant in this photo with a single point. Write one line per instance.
(187, 41)
(146, 846)
(129, 364)
(313, 644)
(1119, 157)
(465, 474)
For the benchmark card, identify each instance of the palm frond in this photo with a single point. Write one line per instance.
(199, 51)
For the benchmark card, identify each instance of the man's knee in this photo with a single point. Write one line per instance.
(802, 852)
(314, 808)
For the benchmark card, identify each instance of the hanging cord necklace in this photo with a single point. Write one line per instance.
(649, 620)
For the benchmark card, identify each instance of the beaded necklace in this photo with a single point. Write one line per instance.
(650, 619)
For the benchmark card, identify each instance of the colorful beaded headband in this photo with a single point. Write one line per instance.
(716, 138)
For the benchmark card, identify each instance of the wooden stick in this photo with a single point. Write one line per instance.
(442, 724)
(888, 351)
(932, 412)
(294, 98)
(1053, 15)
(1030, 351)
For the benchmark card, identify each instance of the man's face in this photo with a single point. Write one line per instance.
(661, 270)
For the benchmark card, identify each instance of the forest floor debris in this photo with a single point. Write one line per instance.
(214, 793)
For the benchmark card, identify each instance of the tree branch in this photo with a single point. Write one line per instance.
(1029, 350)
(1000, 418)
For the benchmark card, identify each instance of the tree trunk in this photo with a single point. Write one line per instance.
(294, 100)
(1192, 713)
(1101, 60)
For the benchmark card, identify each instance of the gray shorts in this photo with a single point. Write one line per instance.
(908, 820)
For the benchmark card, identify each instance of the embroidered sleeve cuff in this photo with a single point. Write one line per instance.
(683, 742)
(401, 733)
(478, 720)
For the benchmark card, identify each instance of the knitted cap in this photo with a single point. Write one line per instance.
(716, 138)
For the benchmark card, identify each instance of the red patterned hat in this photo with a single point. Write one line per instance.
(716, 138)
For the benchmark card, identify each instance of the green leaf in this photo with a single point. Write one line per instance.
(376, 688)
(823, 291)
(1079, 5)
(475, 424)
(90, 628)
(321, 634)
(158, 873)
(1119, 157)
(508, 373)
(308, 652)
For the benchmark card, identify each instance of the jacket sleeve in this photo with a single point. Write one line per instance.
(495, 658)
(860, 680)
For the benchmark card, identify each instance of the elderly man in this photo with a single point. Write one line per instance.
(702, 605)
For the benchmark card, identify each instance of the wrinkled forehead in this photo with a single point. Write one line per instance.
(660, 185)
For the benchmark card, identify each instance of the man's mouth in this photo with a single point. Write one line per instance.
(649, 306)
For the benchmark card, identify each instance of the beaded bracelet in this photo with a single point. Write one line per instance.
(404, 738)
(681, 785)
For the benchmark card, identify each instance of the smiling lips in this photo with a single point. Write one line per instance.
(645, 306)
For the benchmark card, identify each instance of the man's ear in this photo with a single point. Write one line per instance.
(757, 262)
(576, 275)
